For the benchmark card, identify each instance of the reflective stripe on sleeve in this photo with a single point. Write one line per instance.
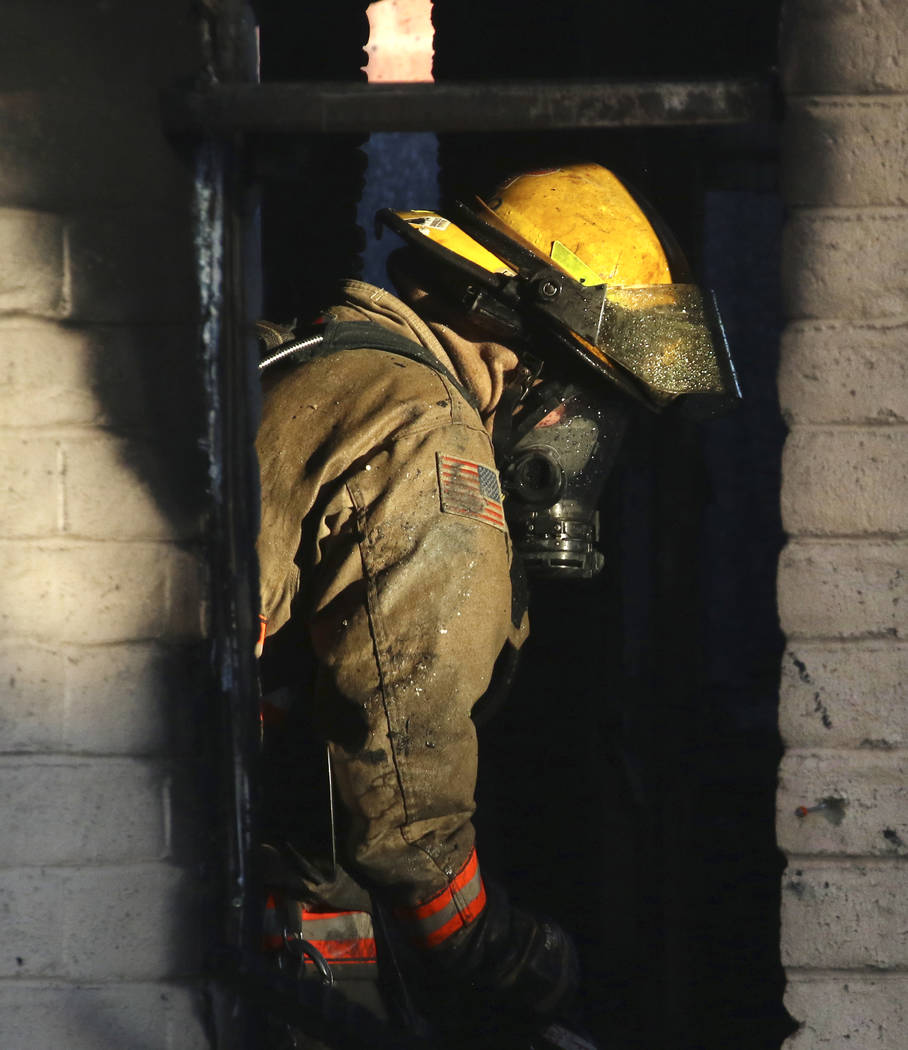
(448, 912)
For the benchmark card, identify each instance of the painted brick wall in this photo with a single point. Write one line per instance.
(102, 578)
(842, 578)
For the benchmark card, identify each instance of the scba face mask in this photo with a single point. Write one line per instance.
(553, 468)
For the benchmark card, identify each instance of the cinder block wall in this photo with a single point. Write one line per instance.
(102, 574)
(842, 576)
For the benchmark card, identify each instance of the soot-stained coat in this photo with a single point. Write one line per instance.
(406, 597)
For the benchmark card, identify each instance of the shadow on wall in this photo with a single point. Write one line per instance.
(100, 304)
(148, 380)
(151, 487)
(140, 1017)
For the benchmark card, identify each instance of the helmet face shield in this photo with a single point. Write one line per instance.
(667, 336)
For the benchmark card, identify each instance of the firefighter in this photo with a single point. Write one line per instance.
(417, 452)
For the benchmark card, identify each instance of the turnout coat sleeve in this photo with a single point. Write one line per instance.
(407, 604)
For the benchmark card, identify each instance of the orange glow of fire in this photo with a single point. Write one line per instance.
(400, 41)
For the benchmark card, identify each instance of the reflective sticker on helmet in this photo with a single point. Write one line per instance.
(430, 222)
(447, 235)
(469, 489)
(575, 266)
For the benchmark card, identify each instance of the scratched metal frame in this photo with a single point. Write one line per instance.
(329, 108)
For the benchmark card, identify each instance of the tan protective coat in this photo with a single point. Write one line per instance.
(407, 607)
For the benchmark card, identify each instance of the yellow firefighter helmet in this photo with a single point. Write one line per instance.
(571, 254)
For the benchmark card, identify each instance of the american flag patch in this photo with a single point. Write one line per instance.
(469, 489)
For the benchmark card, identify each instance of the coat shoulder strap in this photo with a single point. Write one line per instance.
(335, 336)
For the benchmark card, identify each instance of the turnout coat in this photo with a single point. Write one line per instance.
(383, 532)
